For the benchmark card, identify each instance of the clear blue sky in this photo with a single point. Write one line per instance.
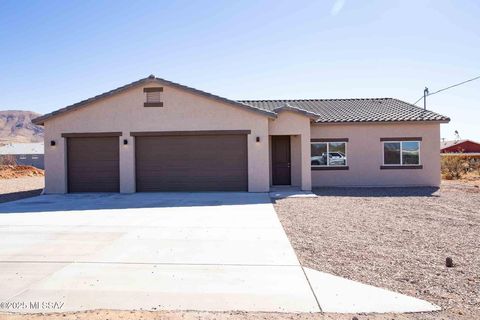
(55, 53)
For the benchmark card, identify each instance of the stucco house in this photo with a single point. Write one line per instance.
(157, 135)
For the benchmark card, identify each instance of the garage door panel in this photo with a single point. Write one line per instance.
(93, 164)
(192, 163)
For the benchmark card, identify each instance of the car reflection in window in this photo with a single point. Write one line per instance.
(334, 159)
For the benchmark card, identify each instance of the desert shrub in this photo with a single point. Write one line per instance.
(7, 160)
(453, 167)
(474, 165)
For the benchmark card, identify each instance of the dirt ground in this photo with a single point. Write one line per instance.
(14, 172)
(392, 238)
(397, 239)
(19, 188)
(18, 182)
(195, 315)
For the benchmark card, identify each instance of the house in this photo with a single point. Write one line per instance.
(459, 146)
(28, 154)
(157, 135)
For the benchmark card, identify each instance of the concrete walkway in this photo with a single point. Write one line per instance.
(176, 251)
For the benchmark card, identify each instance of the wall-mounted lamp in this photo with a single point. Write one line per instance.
(258, 139)
(52, 143)
(125, 142)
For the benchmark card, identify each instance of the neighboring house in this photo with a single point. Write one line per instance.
(156, 135)
(459, 146)
(29, 154)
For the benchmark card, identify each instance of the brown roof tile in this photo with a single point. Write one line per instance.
(354, 110)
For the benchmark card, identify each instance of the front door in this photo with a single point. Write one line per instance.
(281, 172)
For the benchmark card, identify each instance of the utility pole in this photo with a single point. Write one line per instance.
(425, 94)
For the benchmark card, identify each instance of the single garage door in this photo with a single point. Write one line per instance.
(191, 162)
(92, 164)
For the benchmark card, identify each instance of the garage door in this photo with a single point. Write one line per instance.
(92, 164)
(191, 163)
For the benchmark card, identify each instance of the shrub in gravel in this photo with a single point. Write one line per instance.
(453, 167)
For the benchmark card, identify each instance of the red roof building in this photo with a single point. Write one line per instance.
(459, 146)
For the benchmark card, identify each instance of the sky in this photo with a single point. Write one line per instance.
(56, 53)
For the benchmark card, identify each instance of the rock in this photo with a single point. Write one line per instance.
(354, 318)
(449, 262)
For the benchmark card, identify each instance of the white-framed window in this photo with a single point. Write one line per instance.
(328, 154)
(22, 157)
(401, 153)
(34, 157)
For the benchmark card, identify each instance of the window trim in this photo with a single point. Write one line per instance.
(153, 104)
(401, 164)
(328, 166)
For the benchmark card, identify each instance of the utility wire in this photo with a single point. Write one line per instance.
(452, 86)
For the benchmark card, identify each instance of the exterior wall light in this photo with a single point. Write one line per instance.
(258, 139)
(52, 143)
(125, 142)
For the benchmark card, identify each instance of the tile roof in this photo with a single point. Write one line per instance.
(321, 110)
(353, 110)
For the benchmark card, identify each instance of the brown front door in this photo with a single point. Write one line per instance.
(281, 172)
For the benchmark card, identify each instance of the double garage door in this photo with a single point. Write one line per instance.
(162, 163)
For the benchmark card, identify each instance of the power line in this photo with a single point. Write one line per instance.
(449, 87)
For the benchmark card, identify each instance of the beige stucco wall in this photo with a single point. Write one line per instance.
(182, 110)
(297, 126)
(364, 155)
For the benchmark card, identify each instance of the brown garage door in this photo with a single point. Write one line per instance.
(93, 164)
(191, 163)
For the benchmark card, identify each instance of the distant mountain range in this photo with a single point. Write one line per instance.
(17, 126)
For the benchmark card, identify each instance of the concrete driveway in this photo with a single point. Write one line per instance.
(177, 251)
(204, 251)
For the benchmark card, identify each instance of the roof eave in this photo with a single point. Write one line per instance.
(383, 122)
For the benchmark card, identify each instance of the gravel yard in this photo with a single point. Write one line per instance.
(18, 188)
(395, 238)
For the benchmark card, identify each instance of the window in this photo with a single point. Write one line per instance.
(34, 157)
(329, 154)
(401, 153)
(23, 157)
(153, 97)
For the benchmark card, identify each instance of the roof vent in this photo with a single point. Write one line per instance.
(151, 76)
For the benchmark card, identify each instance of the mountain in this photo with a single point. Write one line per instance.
(17, 126)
